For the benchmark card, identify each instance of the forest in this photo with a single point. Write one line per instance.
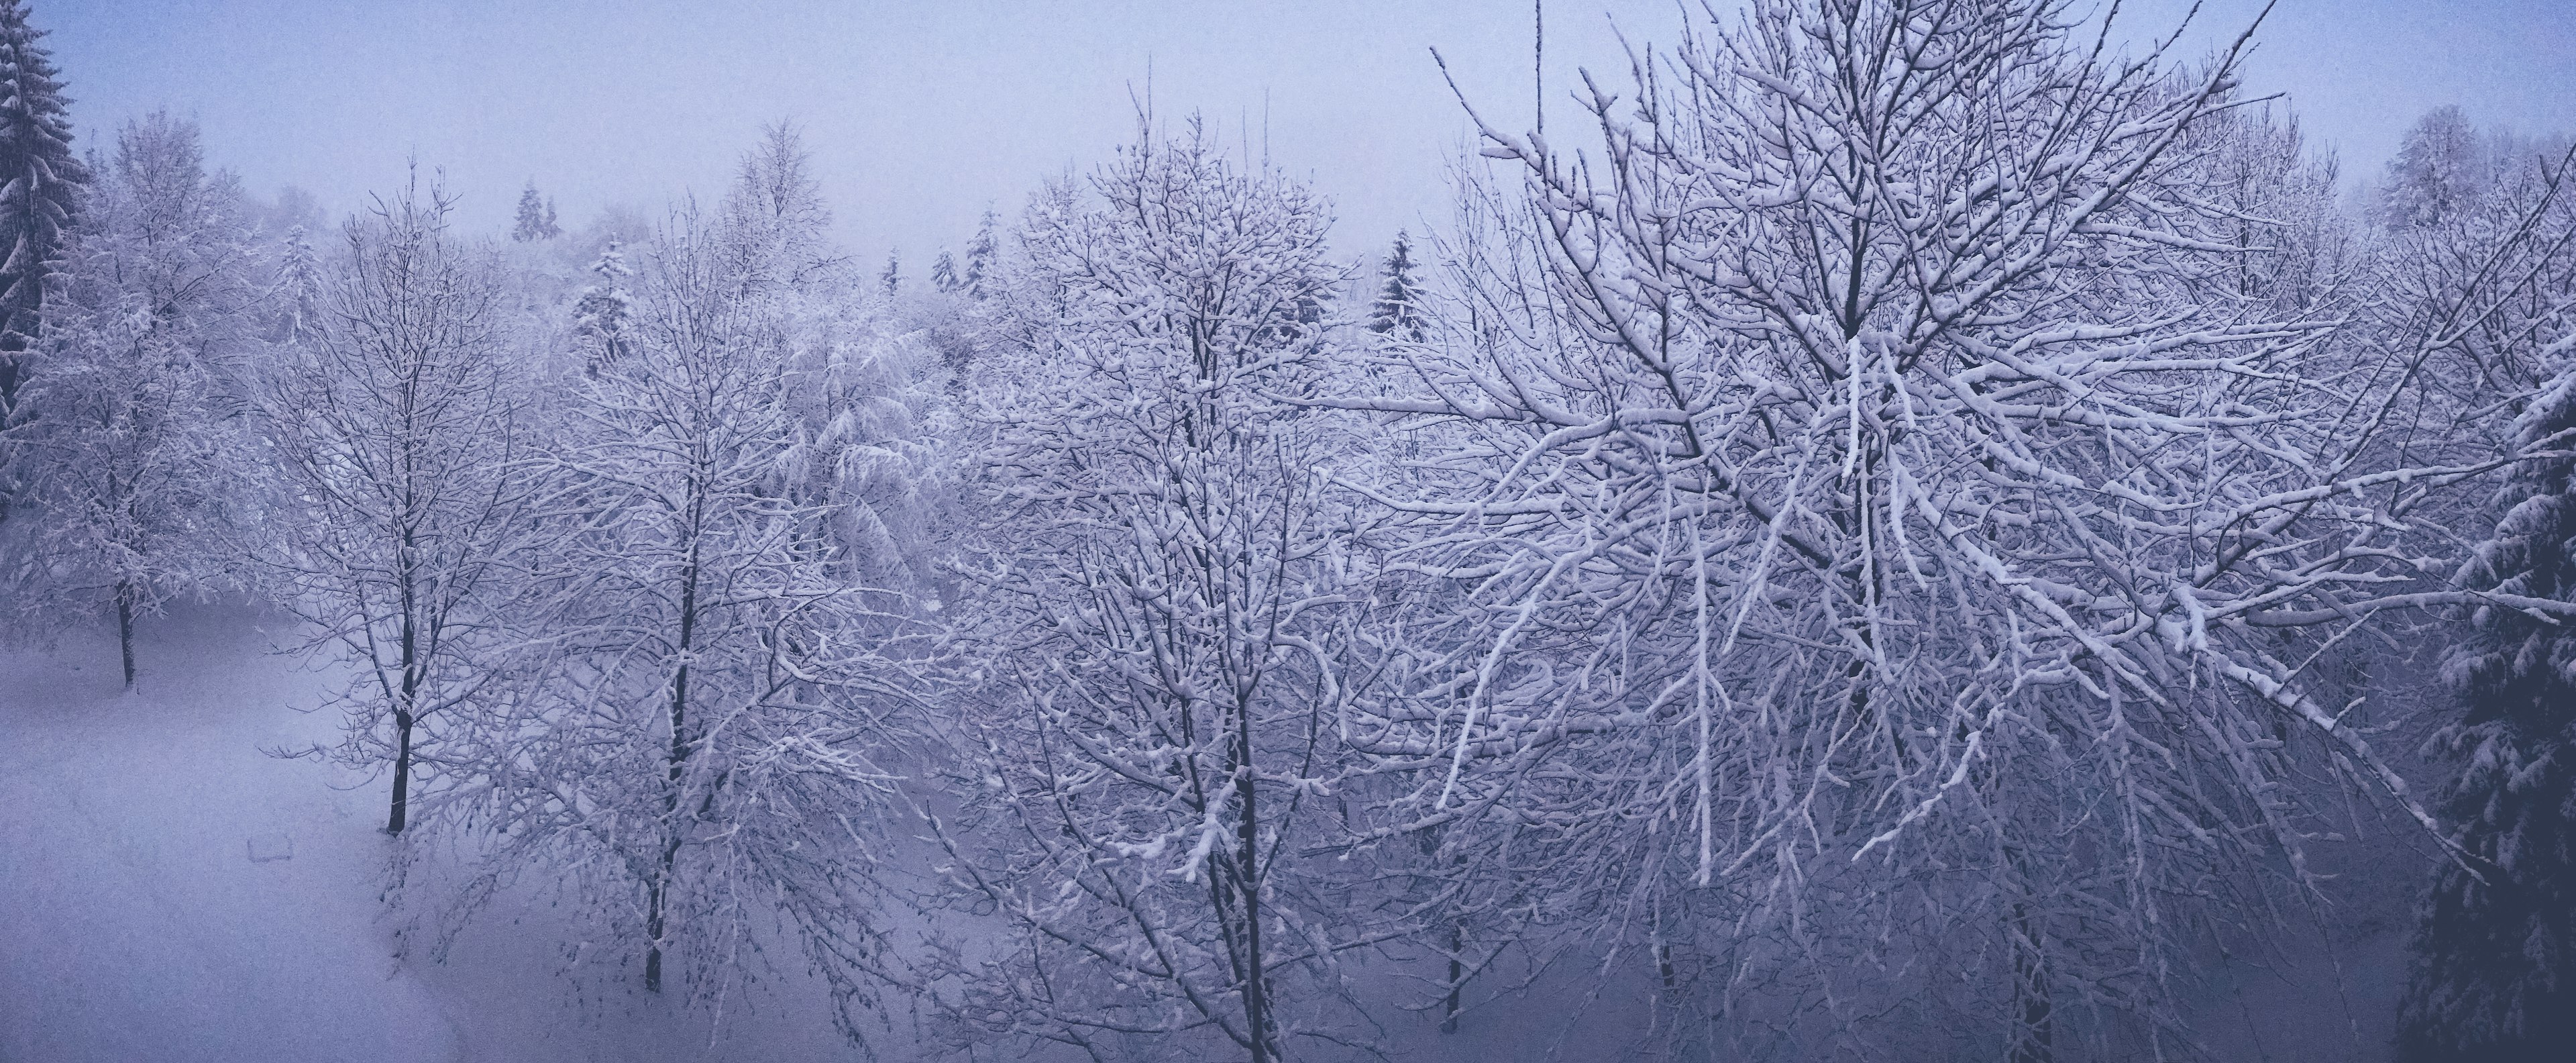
(1890, 530)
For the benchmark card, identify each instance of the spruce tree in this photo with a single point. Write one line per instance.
(2494, 974)
(892, 279)
(981, 255)
(40, 184)
(943, 273)
(536, 219)
(296, 297)
(600, 317)
(1398, 310)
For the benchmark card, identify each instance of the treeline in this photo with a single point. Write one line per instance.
(1918, 537)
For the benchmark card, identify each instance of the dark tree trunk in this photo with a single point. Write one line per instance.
(1256, 988)
(402, 773)
(653, 931)
(404, 717)
(1457, 976)
(2035, 1033)
(656, 893)
(125, 627)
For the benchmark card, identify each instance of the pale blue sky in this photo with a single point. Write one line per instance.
(921, 114)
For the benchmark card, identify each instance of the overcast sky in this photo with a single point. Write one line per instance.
(920, 115)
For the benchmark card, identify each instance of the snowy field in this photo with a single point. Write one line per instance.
(140, 928)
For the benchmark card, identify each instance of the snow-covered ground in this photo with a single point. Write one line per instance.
(135, 925)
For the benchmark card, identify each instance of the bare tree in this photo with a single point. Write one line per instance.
(392, 426)
(1162, 623)
(131, 464)
(707, 710)
(1862, 471)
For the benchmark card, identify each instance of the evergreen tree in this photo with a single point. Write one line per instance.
(943, 273)
(982, 259)
(536, 217)
(298, 291)
(2495, 956)
(40, 183)
(1398, 310)
(600, 317)
(892, 278)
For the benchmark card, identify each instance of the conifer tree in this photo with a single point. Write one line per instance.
(40, 183)
(982, 266)
(536, 217)
(943, 273)
(600, 317)
(2495, 954)
(297, 293)
(892, 279)
(1398, 310)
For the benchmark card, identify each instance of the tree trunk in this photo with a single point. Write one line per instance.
(1457, 972)
(2034, 1032)
(125, 627)
(1256, 989)
(653, 931)
(660, 888)
(402, 773)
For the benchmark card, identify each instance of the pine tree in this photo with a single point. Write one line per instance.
(892, 279)
(2495, 956)
(943, 273)
(982, 259)
(600, 317)
(1398, 310)
(298, 291)
(536, 217)
(40, 184)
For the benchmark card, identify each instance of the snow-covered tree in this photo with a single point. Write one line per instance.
(400, 517)
(1886, 549)
(2442, 167)
(2495, 956)
(1162, 630)
(295, 297)
(982, 278)
(40, 191)
(890, 281)
(536, 218)
(775, 216)
(1397, 313)
(943, 273)
(2476, 257)
(600, 315)
(131, 463)
(709, 740)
